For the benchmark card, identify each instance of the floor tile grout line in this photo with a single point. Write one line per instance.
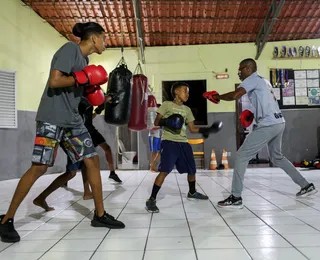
(262, 219)
(228, 225)
(297, 217)
(119, 214)
(280, 192)
(145, 246)
(185, 213)
(76, 224)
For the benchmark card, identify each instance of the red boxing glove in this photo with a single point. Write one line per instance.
(95, 95)
(246, 118)
(210, 96)
(91, 75)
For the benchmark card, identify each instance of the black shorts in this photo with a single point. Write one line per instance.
(97, 139)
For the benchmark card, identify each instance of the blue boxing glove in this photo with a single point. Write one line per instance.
(173, 122)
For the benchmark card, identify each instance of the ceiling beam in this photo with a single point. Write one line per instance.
(140, 38)
(265, 30)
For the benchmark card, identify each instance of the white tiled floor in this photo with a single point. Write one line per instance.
(272, 225)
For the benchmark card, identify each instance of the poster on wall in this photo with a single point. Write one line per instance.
(300, 74)
(288, 89)
(276, 92)
(289, 101)
(313, 83)
(302, 100)
(296, 88)
(312, 74)
(314, 96)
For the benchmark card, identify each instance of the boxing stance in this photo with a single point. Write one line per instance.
(269, 128)
(59, 122)
(86, 111)
(175, 150)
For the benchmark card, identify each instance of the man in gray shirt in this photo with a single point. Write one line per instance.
(268, 131)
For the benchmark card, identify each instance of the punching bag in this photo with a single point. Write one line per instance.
(139, 104)
(152, 112)
(117, 112)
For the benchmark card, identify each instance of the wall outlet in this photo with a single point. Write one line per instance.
(228, 153)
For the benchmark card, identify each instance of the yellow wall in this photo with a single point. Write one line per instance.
(27, 46)
(199, 62)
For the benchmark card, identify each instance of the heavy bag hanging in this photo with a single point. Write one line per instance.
(152, 112)
(139, 104)
(117, 112)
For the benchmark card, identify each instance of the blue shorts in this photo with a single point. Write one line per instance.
(154, 144)
(177, 154)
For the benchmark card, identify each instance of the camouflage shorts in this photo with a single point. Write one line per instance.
(76, 142)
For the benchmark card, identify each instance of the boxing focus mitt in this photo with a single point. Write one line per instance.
(246, 118)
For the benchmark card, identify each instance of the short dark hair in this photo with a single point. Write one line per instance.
(250, 62)
(177, 85)
(85, 30)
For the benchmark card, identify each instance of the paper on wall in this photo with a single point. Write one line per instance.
(287, 101)
(300, 74)
(302, 100)
(311, 74)
(301, 92)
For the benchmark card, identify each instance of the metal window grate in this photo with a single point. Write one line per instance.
(8, 98)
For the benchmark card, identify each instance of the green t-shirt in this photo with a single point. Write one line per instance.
(167, 109)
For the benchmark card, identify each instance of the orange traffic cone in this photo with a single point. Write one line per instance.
(213, 161)
(225, 159)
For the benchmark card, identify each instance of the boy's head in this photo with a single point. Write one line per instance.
(180, 90)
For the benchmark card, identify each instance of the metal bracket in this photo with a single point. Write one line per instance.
(265, 30)
(140, 41)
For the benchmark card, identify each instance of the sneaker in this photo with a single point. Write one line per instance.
(106, 220)
(8, 233)
(197, 196)
(231, 202)
(115, 177)
(307, 191)
(65, 185)
(151, 206)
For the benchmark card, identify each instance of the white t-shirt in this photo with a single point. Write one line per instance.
(155, 133)
(262, 98)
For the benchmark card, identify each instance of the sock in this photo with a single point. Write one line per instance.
(112, 172)
(192, 187)
(155, 191)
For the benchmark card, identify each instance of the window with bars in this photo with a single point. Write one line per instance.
(8, 98)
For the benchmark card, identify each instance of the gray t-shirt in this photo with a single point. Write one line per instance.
(259, 90)
(59, 106)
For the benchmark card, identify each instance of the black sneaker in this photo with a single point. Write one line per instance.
(115, 177)
(307, 191)
(197, 196)
(8, 233)
(106, 220)
(151, 206)
(231, 202)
